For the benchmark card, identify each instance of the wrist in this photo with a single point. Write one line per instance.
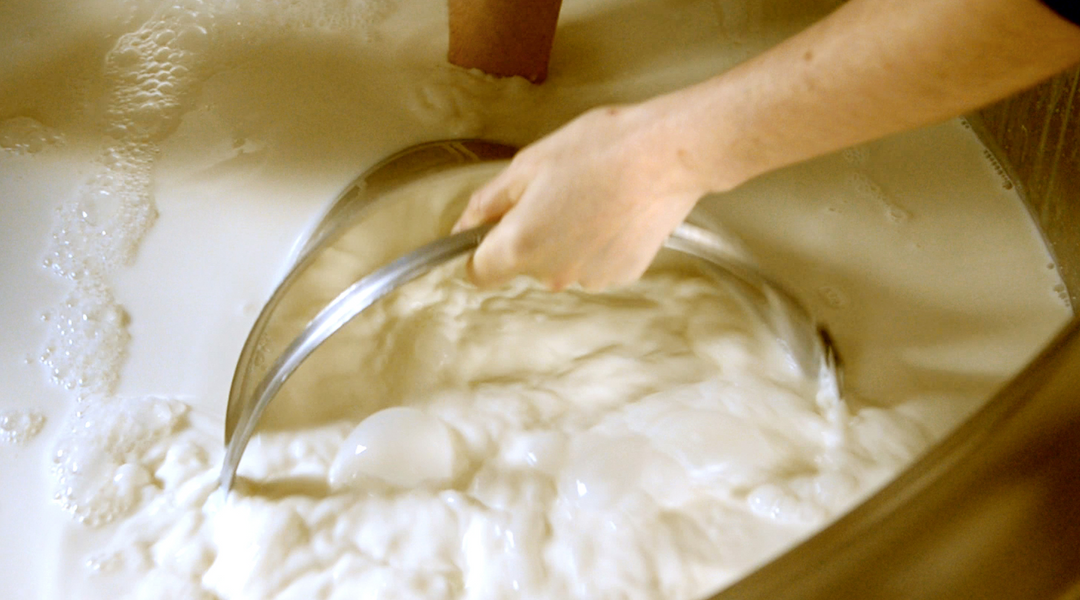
(701, 139)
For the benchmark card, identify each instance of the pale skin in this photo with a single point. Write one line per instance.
(593, 202)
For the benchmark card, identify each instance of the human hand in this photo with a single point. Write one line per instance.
(591, 203)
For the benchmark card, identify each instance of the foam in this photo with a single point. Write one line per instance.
(86, 340)
(508, 466)
(152, 74)
(24, 135)
(995, 164)
(18, 427)
(108, 454)
(583, 464)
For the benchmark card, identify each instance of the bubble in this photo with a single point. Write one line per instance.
(1062, 293)
(399, 446)
(153, 73)
(20, 426)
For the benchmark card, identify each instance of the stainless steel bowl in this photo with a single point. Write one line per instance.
(993, 510)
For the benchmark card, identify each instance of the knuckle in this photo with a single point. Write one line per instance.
(558, 282)
(518, 246)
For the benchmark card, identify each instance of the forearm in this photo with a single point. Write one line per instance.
(872, 68)
(503, 37)
(593, 202)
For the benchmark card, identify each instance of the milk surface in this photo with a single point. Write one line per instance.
(160, 162)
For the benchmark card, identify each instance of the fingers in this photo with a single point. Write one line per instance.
(491, 202)
(492, 263)
(620, 262)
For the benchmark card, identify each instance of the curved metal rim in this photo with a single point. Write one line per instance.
(342, 309)
(687, 239)
(395, 171)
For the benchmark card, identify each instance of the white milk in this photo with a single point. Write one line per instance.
(158, 163)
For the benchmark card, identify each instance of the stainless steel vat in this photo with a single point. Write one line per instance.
(993, 511)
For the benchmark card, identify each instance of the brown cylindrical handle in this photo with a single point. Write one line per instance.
(503, 37)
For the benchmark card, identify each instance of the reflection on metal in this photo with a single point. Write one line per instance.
(1038, 133)
(805, 340)
(390, 174)
(993, 511)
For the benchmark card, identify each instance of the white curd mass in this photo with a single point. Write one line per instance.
(159, 164)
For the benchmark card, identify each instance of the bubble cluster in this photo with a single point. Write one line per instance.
(995, 164)
(20, 426)
(1062, 293)
(152, 74)
(99, 230)
(107, 456)
(86, 340)
(154, 71)
(23, 135)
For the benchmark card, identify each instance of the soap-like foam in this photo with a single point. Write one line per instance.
(20, 426)
(87, 339)
(152, 74)
(108, 454)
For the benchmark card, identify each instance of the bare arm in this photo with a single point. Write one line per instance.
(503, 37)
(593, 202)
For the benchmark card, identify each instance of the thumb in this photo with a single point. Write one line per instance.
(492, 263)
(490, 203)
